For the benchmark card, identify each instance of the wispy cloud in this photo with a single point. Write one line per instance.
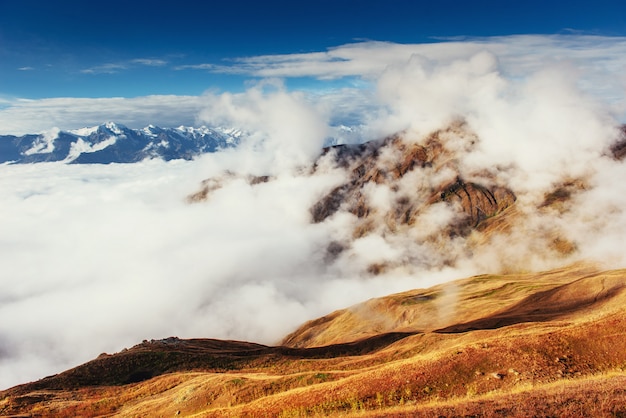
(20, 116)
(26, 68)
(206, 66)
(598, 60)
(109, 68)
(116, 67)
(149, 62)
(516, 54)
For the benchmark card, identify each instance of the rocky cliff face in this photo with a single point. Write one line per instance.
(618, 149)
(417, 176)
(418, 189)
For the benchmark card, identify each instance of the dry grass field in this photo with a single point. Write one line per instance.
(542, 344)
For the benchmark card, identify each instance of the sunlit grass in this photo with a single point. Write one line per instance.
(569, 364)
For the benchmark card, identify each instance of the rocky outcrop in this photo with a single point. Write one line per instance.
(478, 202)
(416, 175)
(214, 183)
(618, 149)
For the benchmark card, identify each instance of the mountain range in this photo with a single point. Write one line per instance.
(115, 143)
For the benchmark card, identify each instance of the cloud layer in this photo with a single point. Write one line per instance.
(596, 61)
(97, 258)
(20, 117)
(104, 256)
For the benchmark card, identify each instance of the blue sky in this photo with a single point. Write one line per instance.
(70, 48)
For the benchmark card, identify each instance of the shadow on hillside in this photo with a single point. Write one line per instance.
(540, 307)
(156, 357)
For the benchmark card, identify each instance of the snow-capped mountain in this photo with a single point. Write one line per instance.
(115, 143)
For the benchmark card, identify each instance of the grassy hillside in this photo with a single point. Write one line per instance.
(547, 344)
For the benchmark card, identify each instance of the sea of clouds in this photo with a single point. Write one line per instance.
(95, 258)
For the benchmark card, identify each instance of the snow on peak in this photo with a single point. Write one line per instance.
(84, 131)
(115, 128)
(185, 129)
(231, 132)
(151, 131)
(112, 127)
(122, 144)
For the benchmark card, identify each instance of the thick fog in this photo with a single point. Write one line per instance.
(95, 258)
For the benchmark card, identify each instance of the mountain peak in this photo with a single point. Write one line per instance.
(113, 127)
(86, 131)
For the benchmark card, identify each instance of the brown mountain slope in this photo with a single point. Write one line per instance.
(481, 302)
(419, 174)
(554, 342)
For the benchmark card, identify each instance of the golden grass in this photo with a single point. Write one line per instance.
(425, 310)
(551, 344)
(596, 396)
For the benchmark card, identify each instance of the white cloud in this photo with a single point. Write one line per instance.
(597, 62)
(599, 59)
(518, 54)
(149, 62)
(112, 254)
(205, 66)
(284, 125)
(109, 255)
(116, 67)
(21, 116)
(108, 68)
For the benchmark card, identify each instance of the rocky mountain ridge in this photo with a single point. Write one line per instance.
(390, 163)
